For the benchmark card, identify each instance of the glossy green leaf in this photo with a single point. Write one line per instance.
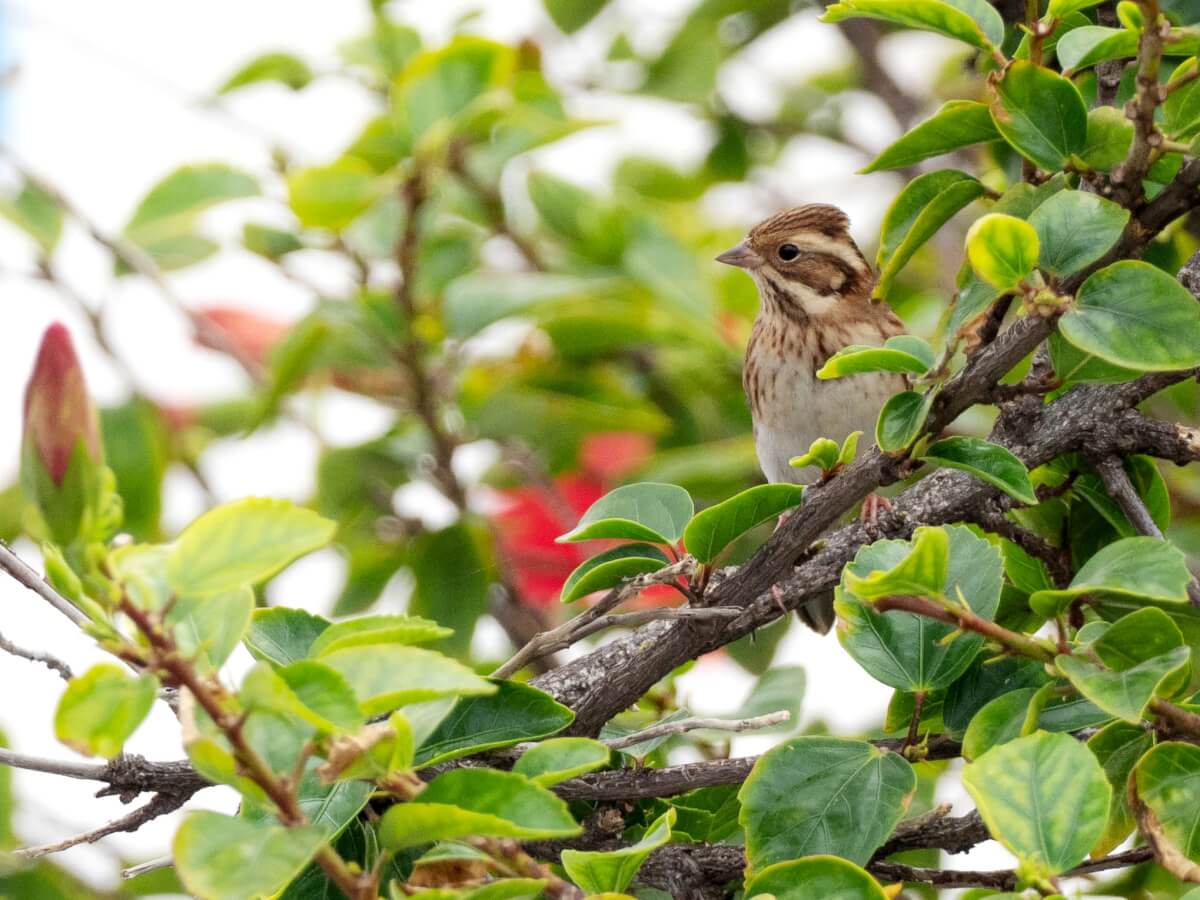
(513, 712)
(282, 68)
(1060, 9)
(970, 21)
(221, 857)
(998, 721)
(1143, 567)
(378, 629)
(986, 461)
(280, 635)
(986, 679)
(333, 196)
(813, 795)
(1075, 228)
(1181, 111)
(242, 543)
(819, 877)
(822, 452)
(1135, 315)
(904, 650)
(1118, 746)
(1086, 46)
(900, 567)
(1002, 249)
(613, 870)
(901, 419)
(1074, 366)
(608, 569)
(647, 511)
(715, 528)
(1167, 782)
(557, 759)
(1040, 113)
(1126, 693)
(1141, 635)
(708, 815)
(925, 205)
(1109, 135)
(101, 708)
(306, 690)
(485, 802)
(208, 628)
(1044, 797)
(385, 676)
(959, 123)
(903, 353)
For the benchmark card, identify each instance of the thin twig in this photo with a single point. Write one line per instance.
(682, 726)
(46, 659)
(23, 573)
(158, 805)
(152, 865)
(575, 629)
(1127, 176)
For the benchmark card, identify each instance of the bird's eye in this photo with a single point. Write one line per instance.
(788, 252)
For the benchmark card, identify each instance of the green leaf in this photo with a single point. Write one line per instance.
(483, 802)
(822, 452)
(1142, 635)
(973, 22)
(306, 690)
(1118, 746)
(1073, 366)
(268, 242)
(242, 543)
(1109, 135)
(170, 208)
(282, 68)
(608, 569)
(925, 205)
(1181, 111)
(1167, 782)
(221, 857)
(715, 528)
(815, 795)
(998, 721)
(1126, 693)
(612, 871)
(1044, 797)
(901, 419)
(280, 635)
(450, 563)
(1040, 114)
(590, 226)
(101, 708)
(647, 511)
(988, 462)
(904, 650)
(707, 815)
(959, 123)
(1143, 567)
(1090, 44)
(478, 299)
(903, 353)
(899, 567)
(380, 629)
(1060, 9)
(208, 628)
(512, 713)
(1135, 315)
(333, 196)
(37, 214)
(814, 878)
(557, 759)
(571, 15)
(1075, 228)
(385, 676)
(1003, 250)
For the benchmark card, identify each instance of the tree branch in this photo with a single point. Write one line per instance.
(159, 805)
(23, 573)
(696, 723)
(46, 659)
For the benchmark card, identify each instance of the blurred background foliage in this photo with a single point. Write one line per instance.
(533, 342)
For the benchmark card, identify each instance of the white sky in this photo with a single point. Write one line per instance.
(107, 98)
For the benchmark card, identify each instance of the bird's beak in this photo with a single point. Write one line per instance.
(741, 256)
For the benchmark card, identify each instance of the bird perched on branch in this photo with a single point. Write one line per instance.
(815, 287)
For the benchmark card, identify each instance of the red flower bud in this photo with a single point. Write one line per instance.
(253, 335)
(58, 411)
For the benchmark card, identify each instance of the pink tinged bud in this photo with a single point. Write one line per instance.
(58, 411)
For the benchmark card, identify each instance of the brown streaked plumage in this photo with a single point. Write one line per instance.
(815, 286)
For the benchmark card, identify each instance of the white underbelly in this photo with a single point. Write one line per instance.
(803, 408)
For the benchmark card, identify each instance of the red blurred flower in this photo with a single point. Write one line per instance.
(58, 411)
(608, 456)
(251, 335)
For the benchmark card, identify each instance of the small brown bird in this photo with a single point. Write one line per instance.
(815, 286)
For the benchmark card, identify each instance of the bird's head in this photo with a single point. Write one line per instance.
(804, 261)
